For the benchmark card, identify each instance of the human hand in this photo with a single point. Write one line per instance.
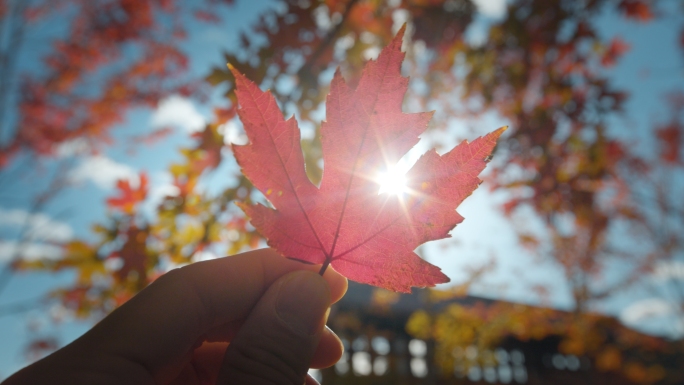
(177, 330)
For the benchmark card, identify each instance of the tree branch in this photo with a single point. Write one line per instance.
(16, 26)
(23, 306)
(327, 40)
(56, 185)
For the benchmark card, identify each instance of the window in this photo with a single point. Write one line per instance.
(474, 373)
(380, 366)
(520, 374)
(572, 362)
(342, 366)
(361, 363)
(489, 374)
(360, 344)
(505, 374)
(380, 345)
(417, 348)
(419, 367)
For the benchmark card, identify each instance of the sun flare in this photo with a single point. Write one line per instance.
(392, 181)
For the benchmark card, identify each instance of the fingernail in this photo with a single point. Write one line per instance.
(303, 302)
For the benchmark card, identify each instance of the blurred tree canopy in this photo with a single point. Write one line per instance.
(543, 67)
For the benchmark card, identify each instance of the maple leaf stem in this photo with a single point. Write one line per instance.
(324, 267)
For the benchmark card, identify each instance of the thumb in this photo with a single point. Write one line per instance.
(277, 341)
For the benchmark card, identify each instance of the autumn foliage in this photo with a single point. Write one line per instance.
(544, 67)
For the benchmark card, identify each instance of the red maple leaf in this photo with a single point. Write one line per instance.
(129, 196)
(133, 254)
(207, 16)
(636, 9)
(617, 48)
(366, 236)
(670, 138)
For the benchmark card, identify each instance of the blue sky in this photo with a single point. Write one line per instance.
(483, 235)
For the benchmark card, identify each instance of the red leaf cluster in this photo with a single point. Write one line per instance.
(120, 44)
(616, 48)
(670, 138)
(639, 10)
(133, 255)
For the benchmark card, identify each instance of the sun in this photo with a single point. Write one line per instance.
(392, 181)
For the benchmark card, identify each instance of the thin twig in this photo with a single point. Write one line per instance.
(23, 306)
(328, 38)
(56, 185)
(8, 59)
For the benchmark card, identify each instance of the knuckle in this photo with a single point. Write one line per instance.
(175, 279)
(171, 278)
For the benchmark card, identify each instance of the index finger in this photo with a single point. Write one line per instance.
(159, 326)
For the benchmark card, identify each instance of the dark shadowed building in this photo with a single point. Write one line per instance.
(379, 350)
